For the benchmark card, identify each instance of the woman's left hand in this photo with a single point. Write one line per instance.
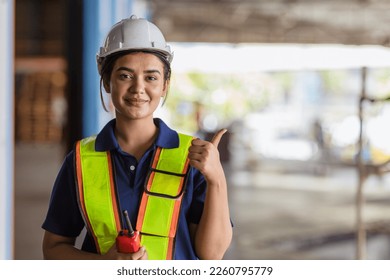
(204, 156)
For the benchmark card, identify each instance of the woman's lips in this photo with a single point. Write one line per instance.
(135, 101)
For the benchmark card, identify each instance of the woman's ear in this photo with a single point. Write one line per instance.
(106, 86)
(165, 88)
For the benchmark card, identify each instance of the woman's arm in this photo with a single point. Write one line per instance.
(213, 234)
(57, 247)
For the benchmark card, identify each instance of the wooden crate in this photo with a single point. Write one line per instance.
(40, 100)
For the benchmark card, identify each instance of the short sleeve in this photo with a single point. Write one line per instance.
(199, 194)
(63, 216)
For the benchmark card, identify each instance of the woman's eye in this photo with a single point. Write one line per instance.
(124, 76)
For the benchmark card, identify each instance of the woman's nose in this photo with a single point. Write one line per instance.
(138, 86)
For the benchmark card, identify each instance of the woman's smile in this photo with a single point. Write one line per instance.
(133, 101)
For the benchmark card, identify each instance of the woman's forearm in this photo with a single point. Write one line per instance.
(214, 232)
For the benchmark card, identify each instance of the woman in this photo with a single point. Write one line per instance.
(119, 169)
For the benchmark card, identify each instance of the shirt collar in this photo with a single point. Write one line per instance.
(106, 141)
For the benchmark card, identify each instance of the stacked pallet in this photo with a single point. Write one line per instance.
(40, 103)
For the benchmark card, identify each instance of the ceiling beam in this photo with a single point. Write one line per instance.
(353, 22)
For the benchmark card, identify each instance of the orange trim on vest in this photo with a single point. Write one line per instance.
(156, 157)
(113, 192)
(81, 195)
(176, 210)
(144, 199)
(170, 248)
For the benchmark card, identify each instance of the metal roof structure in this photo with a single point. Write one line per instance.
(351, 22)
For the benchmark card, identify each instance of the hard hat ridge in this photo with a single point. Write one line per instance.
(134, 34)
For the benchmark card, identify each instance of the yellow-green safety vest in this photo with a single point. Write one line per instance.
(159, 208)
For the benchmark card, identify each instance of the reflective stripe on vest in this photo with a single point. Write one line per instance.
(160, 203)
(97, 194)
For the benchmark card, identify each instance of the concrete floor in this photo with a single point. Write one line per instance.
(277, 214)
(36, 167)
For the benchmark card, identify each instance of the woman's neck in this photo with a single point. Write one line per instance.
(135, 136)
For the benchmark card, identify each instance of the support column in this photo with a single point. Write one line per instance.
(7, 128)
(99, 16)
(89, 23)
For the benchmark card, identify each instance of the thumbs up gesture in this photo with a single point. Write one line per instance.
(204, 156)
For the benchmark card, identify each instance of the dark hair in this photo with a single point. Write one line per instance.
(108, 64)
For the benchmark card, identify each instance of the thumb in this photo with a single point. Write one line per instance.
(217, 137)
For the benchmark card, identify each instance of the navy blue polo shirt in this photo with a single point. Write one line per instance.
(64, 218)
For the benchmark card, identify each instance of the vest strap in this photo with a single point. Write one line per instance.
(97, 194)
(161, 200)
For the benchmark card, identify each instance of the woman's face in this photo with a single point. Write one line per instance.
(136, 85)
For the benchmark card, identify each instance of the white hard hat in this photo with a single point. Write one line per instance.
(134, 34)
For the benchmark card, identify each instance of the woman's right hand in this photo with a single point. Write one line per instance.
(113, 254)
(57, 247)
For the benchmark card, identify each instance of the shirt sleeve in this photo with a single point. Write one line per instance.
(199, 195)
(63, 215)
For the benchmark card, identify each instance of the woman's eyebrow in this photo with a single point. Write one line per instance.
(151, 71)
(123, 68)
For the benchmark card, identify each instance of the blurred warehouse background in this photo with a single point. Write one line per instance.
(303, 87)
